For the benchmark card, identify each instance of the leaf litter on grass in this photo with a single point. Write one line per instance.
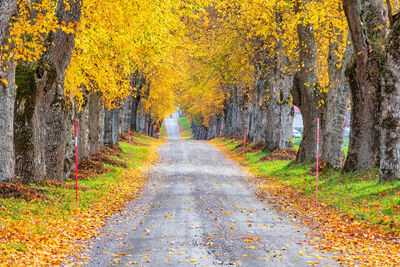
(352, 241)
(46, 237)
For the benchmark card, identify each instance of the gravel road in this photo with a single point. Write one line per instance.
(199, 211)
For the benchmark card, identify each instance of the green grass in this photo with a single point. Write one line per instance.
(186, 127)
(40, 224)
(360, 194)
(163, 131)
(60, 200)
(296, 144)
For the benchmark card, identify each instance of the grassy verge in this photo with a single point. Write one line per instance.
(185, 128)
(46, 229)
(296, 142)
(359, 195)
(357, 218)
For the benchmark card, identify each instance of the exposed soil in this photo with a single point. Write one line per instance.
(248, 143)
(94, 165)
(124, 137)
(10, 190)
(67, 186)
(88, 168)
(113, 151)
(322, 166)
(280, 155)
(234, 136)
(256, 147)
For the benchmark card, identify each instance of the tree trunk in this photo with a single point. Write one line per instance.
(142, 124)
(41, 119)
(83, 133)
(278, 109)
(390, 124)
(337, 104)
(272, 129)
(7, 99)
(111, 125)
(28, 127)
(7, 95)
(305, 93)
(286, 113)
(258, 125)
(107, 127)
(96, 122)
(194, 128)
(125, 115)
(367, 20)
(134, 111)
(115, 126)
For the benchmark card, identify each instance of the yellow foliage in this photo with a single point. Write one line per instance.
(190, 54)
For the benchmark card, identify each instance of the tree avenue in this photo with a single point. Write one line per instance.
(119, 65)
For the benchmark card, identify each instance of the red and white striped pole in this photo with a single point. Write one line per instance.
(316, 168)
(76, 154)
(130, 146)
(244, 141)
(147, 128)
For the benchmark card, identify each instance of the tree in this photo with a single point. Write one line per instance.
(8, 9)
(40, 118)
(337, 106)
(367, 23)
(305, 89)
(390, 121)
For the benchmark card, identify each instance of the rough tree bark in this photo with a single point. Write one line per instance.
(28, 128)
(96, 122)
(40, 116)
(195, 130)
(231, 109)
(258, 121)
(305, 93)
(337, 104)
(278, 109)
(138, 80)
(141, 119)
(125, 115)
(390, 124)
(7, 94)
(286, 113)
(83, 132)
(111, 126)
(134, 111)
(367, 23)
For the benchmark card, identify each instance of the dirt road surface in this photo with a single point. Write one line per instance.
(199, 211)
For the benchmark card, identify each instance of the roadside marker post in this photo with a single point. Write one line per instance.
(147, 128)
(130, 146)
(76, 153)
(244, 142)
(316, 168)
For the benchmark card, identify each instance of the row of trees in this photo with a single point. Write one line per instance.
(113, 60)
(325, 57)
(226, 63)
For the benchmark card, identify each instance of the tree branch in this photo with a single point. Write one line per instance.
(390, 14)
